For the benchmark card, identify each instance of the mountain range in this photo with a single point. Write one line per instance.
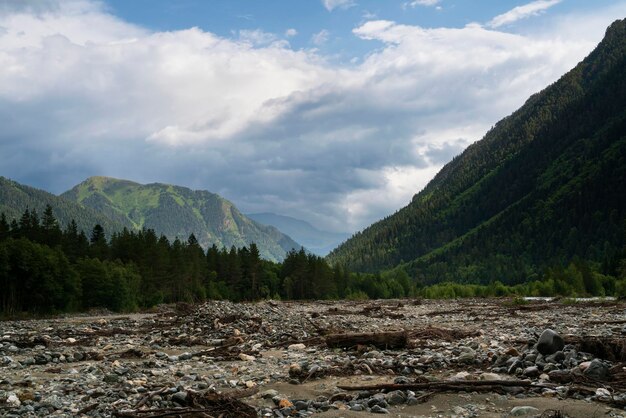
(16, 197)
(177, 211)
(544, 186)
(173, 211)
(315, 240)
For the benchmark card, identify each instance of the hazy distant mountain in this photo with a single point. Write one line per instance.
(546, 184)
(16, 197)
(177, 212)
(315, 240)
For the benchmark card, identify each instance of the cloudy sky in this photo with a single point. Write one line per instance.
(333, 111)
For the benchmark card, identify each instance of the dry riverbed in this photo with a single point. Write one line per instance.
(457, 358)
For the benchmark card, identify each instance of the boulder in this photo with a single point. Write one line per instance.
(597, 370)
(549, 342)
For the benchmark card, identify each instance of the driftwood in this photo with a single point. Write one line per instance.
(199, 405)
(609, 348)
(384, 340)
(453, 385)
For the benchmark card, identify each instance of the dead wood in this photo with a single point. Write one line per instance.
(608, 348)
(442, 385)
(207, 404)
(442, 334)
(384, 340)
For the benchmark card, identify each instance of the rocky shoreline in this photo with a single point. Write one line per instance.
(464, 358)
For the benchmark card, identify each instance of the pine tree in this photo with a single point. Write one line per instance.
(51, 233)
(4, 227)
(99, 247)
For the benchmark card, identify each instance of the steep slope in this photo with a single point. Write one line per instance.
(16, 197)
(178, 212)
(544, 185)
(315, 240)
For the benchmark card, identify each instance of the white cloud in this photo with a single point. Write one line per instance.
(258, 37)
(416, 3)
(331, 5)
(522, 12)
(83, 93)
(291, 32)
(320, 38)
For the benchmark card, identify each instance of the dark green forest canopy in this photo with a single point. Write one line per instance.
(544, 186)
(46, 269)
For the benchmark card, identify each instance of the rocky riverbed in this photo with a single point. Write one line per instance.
(466, 358)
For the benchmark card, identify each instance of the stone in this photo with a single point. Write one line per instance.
(512, 352)
(180, 398)
(295, 370)
(601, 392)
(490, 376)
(111, 378)
(13, 401)
(377, 409)
(520, 411)
(560, 376)
(284, 403)
(532, 371)
(396, 397)
(28, 361)
(296, 347)
(268, 394)
(412, 400)
(246, 357)
(467, 356)
(556, 358)
(460, 376)
(597, 370)
(550, 342)
(301, 405)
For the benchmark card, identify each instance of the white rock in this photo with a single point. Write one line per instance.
(13, 400)
(519, 411)
(602, 392)
(246, 357)
(460, 376)
(296, 347)
(490, 376)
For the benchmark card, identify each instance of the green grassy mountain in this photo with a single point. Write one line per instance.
(546, 184)
(315, 240)
(177, 212)
(16, 197)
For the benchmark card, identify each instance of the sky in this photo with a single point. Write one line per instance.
(332, 111)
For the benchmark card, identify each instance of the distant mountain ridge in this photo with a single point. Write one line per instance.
(15, 198)
(315, 240)
(544, 185)
(177, 211)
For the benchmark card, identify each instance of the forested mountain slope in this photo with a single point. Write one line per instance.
(178, 212)
(546, 184)
(15, 198)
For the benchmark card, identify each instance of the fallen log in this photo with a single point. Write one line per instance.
(444, 385)
(384, 340)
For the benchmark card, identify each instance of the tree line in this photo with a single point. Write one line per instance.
(46, 269)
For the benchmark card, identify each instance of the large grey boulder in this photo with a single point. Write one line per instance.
(550, 342)
(597, 370)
